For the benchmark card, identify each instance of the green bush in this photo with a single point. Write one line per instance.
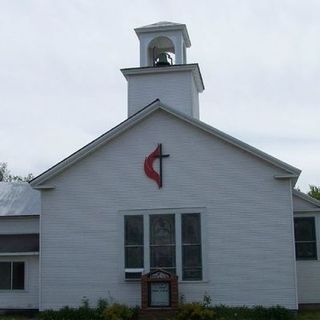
(67, 313)
(256, 313)
(103, 311)
(118, 311)
(195, 311)
(201, 311)
(188, 311)
(84, 312)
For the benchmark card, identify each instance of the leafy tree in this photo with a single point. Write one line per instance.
(6, 176)
(314, 192)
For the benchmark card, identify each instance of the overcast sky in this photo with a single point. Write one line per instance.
(60, 84)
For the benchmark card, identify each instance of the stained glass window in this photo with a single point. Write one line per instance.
(191, 247)
(162, 242)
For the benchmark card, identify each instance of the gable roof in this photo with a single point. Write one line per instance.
(304, 203)
(291, 172)
(18, 199)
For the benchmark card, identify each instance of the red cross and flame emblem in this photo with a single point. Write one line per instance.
(149, 162)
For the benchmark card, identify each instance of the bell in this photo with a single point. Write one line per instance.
(162, 60)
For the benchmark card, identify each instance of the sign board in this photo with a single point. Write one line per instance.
(159, 294)
(159, 290)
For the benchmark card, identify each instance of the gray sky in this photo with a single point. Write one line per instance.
(60, 84)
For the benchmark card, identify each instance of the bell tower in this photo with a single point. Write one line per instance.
(162, 38)
(164, 72)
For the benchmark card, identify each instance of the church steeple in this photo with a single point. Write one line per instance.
(164, 72)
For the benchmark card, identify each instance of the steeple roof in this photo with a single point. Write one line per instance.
(165, 26)
(161, 24)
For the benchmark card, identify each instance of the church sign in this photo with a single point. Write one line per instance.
(159, 289)
(159, 294)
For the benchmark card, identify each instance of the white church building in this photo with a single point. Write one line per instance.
(160, 190)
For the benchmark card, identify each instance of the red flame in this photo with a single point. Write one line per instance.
(148, 166)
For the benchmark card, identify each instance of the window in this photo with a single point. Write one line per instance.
(11, 275)
(305, 238)
(133, 246)
(170, 241)
(191, 247)
(162, 242)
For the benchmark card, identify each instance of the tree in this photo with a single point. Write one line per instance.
(314, 192)
(6, 176)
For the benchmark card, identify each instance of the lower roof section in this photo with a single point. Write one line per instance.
(19, 199)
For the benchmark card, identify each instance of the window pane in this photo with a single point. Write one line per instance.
(191, 247)
(306, 250)
(191, 256)
(133, 275)
(134, 257)
(162, 229)
(191, 228)
(18, 275)
(5, 275)
(304, 229)
(192, 274)
(133, 230)
(162, 256)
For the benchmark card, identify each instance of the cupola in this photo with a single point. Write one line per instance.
(163, 40)
(164, 73)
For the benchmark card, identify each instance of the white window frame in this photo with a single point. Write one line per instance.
(146, 236)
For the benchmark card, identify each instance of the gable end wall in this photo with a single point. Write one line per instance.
(249, 256)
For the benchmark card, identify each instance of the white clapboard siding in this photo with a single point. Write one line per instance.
(249, 252)
(172, 88)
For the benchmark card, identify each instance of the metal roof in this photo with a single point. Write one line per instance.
(18, 199)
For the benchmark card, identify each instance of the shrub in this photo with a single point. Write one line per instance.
(195, 311)
(66, 313)
(256, 313)
(84, 312)
(118, 311)
(102, 305)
